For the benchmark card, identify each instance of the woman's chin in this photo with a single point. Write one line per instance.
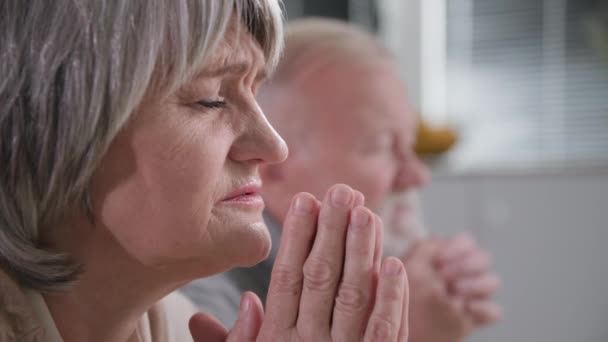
(254, 245)
(245, 247)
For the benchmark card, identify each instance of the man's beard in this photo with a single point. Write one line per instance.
(403, 222)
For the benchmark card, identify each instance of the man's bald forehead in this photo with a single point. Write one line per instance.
(312, 40)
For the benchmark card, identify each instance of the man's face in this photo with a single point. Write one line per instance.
(363, 132)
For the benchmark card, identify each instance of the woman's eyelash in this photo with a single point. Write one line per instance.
(213, 104)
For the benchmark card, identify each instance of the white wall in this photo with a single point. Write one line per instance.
(400, 29)
(548, 234)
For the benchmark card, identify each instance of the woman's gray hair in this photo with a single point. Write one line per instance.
(71, 74)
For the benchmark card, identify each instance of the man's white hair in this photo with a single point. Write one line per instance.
(312, 43)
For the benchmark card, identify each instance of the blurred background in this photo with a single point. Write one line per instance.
(521, 86)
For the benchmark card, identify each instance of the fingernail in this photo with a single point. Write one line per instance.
(359, 198)
(303, 205)
(392, 267)
(360, 218)
(341, 196)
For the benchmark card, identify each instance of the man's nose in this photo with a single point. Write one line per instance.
(259, 141)
(411, 174)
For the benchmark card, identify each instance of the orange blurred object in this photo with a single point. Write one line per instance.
(434, 140)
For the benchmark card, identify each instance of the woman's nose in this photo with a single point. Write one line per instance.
(259, 141)
(412, 173)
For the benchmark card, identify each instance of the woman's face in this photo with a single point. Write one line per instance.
(180, 183)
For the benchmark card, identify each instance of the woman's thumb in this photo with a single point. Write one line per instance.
(204, 327)
(249, 322)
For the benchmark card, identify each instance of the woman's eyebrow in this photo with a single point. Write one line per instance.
(238, 68)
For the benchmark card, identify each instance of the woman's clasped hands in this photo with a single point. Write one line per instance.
(329, 282)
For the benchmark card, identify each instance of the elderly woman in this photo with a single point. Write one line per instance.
(130, 142)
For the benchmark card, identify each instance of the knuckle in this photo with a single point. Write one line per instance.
(307, 338)
(318, 274)
(351, 299)
(381, 329)
(307, 335)
(391, 294)
(285, 279)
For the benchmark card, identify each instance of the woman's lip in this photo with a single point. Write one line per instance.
(244, 192)
(247, 200)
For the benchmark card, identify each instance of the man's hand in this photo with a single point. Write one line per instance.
(466, 269)
(436, 316)
(451, 289)
(328, 282)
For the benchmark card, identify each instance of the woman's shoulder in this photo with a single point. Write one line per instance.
(167, 321)
(18, 320)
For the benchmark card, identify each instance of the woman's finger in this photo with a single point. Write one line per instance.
(359, 199)
(249, 321)
(405, 310)
(283, 299)
(323, 266)
(379, 242)
(352, 301)
(204, 327)
(386, 319)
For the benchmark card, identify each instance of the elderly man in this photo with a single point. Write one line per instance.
(339, 104)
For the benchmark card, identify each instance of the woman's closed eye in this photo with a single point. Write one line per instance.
(212, 104)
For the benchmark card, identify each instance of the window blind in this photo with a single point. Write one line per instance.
(527, 81)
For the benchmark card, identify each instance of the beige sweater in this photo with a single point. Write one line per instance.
(24, 317)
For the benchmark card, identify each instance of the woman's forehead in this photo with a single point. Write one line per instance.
(237, 49)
